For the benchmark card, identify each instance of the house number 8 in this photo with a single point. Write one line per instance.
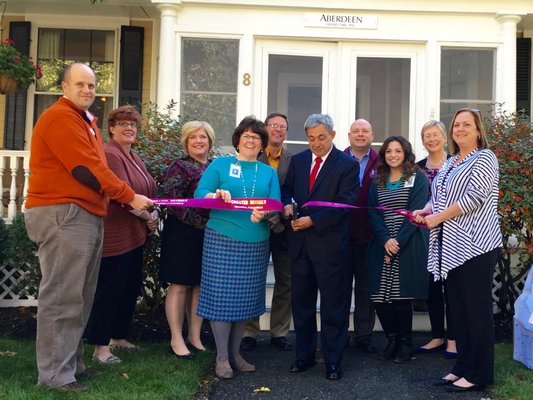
(246, 79)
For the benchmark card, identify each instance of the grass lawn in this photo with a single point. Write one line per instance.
(150, 375)
(513, 380)
(155, 375)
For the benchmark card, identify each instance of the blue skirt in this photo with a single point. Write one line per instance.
(233, 280)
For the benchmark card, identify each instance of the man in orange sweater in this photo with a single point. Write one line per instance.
(70, 186)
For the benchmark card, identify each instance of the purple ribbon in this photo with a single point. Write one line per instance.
(261, 204)
(406, 213)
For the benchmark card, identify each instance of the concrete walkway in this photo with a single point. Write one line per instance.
(365, 377)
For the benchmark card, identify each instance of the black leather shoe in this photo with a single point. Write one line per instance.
(442, 382)
(248, 343)
(302, 365)
(333, 372)
(458, 389)
(281, 343)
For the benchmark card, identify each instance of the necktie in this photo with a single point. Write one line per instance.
(314, 172)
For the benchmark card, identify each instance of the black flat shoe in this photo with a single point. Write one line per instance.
(188, 356)
(443, 382)
(301, 365)
(458, 389)
(333, 372)
(281, 343)
(422, 350)
(450, 354)
(194, 348)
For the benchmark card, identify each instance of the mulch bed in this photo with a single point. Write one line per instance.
(21, 323)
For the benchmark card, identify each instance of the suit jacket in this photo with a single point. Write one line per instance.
(283, 167)
(327, 240)
(360, 229)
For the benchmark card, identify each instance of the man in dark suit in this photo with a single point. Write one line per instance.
(280, 315)
(361, 136)
(318, 245)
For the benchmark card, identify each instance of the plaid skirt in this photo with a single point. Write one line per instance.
(233, 281)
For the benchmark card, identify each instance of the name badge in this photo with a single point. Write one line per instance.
(410, 182)
(235, 170)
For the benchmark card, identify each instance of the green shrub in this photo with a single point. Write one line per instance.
(511, 139)
(21, 253)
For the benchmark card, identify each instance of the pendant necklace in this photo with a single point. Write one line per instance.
(253, 184)
(395, 185)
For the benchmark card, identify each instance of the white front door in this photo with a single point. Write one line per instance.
(296, 80)
(381, 82)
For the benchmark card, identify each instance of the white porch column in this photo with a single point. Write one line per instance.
(508, 23)
(167, 68)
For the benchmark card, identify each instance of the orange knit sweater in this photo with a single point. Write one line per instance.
(66, 141)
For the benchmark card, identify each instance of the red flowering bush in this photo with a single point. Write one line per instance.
(511, 139)
(18, 66)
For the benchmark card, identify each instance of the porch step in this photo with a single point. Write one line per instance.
(420, 319)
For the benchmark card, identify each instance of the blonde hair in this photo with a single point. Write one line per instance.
(433, 123)
(192, 126)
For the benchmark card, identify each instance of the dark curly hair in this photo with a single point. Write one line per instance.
(408, 166)
(250, 124)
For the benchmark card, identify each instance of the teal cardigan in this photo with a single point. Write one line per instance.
(237, 224)
(413, 241)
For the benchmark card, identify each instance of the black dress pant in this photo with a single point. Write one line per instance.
(119, 286)
(470, 296)
(438, 308)
(332, 279)
(364, 315)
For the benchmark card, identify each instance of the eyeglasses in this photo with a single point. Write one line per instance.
(125, 124)
(248, 137)
(278, 126)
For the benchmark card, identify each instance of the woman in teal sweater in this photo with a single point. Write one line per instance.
(398, 250)
(236, 249)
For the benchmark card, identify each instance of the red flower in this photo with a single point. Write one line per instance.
(16, 59)
(9, 41)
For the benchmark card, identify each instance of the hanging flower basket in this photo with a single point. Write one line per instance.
(16, 69)
(7, 85)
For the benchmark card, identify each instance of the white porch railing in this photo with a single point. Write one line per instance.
(14, 174)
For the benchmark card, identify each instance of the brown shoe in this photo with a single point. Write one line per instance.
(74, 387)
(223, 369)
(240, 364)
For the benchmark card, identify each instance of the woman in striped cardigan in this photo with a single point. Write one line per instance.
(464, 242)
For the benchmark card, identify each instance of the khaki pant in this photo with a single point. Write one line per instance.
(70, 247)
(280, 314)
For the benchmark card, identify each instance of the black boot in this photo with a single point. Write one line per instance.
(404, 350)
(404, 312)
(385, 313)
(392, 347)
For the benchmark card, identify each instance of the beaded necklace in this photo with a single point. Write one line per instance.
(244, 185)
(395, 185)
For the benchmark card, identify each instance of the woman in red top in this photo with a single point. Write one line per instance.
(125, 232)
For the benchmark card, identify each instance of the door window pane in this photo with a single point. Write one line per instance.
(295, 89)
(383, 89)
(467, 80)
(209, 84)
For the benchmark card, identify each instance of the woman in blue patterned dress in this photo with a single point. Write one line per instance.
(236, 249)
(397, 264)
(464, 215)
(182, 239)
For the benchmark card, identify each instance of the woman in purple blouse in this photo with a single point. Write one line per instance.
(182, 239)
